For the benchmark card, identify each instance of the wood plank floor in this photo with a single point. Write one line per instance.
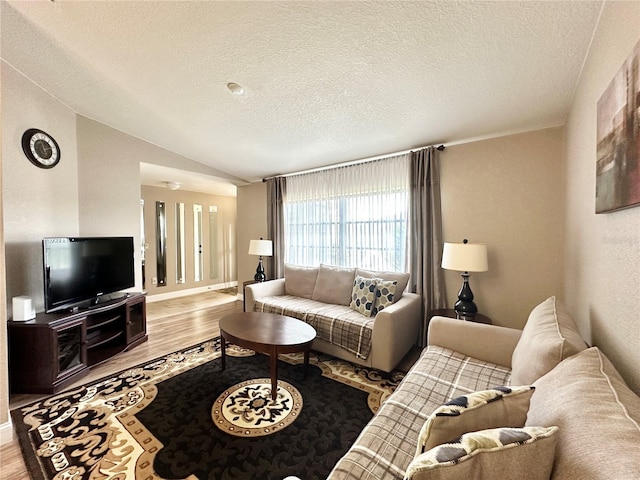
(168, 331)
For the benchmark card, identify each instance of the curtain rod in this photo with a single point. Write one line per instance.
(354, 162)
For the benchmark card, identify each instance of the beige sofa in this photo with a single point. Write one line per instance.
(324, 297)
(581, 421)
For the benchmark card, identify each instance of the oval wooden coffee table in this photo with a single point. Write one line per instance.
(267, 333)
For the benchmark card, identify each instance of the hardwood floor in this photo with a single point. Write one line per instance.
(171, 325)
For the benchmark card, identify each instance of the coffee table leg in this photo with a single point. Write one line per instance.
(223, 346)
(273, 360)
(306, 362)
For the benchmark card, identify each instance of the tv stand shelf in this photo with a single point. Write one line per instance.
(101, 322)
(102, 338)
(55, 349)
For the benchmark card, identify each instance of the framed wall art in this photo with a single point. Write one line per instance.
(618, 131)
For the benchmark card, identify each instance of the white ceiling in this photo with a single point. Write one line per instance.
(324, 82)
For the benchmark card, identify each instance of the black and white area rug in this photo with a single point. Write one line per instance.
(180, 417)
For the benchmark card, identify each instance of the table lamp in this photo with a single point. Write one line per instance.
(262, 248)
(465, 257)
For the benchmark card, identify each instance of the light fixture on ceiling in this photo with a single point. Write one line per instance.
(172, 185)
(235, 88)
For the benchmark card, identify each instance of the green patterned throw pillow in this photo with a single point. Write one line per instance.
(526, 452)
(493, 408)
(363, 295)
(385, 290)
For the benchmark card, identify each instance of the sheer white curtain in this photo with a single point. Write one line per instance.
(351, 216)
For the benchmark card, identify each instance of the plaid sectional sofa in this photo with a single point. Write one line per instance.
(387, 446)
(577, 389)
(324, 298)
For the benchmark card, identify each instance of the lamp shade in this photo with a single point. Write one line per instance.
(465, 257)
(263, 248)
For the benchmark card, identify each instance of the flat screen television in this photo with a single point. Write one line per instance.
(78, 271)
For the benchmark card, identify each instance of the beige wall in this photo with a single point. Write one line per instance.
(108, 184)
(4, 374)
(252, 224)
(602, 254)
(37, 202)
(225, 244)
(507, 192)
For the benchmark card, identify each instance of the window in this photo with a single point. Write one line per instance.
(354, 216)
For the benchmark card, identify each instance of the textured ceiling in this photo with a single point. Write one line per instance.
(324, 82)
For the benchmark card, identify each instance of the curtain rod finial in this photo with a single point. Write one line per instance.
(440, 147)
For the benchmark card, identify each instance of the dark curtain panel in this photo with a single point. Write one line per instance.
(426, 234)
(276, 189)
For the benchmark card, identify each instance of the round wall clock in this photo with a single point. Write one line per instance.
(40, 148)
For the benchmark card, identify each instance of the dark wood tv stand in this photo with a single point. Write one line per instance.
(55, 349)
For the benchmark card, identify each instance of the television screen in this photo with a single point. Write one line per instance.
(77, 269)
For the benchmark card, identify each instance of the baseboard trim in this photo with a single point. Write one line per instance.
(190, 291)
(6, 432)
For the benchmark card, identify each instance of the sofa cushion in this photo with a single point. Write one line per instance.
(549, 336)
(384, 294)
(363, 295)
(493, 408)
(490, 454)
(598, 416)
(401, 278)
(334, 285)
(299, 281)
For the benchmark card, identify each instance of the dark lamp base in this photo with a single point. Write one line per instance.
(464, 307)
(260, 275)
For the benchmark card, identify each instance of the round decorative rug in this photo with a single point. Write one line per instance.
(247, 409)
